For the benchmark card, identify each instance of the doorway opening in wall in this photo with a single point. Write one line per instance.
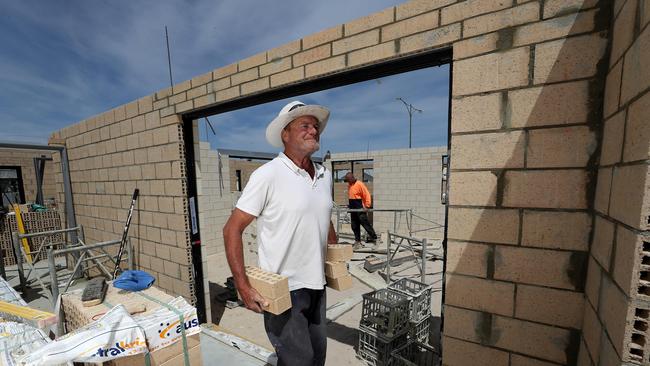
(11, 185)
(376, 133)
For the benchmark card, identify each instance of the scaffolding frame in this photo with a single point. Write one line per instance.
(80, 252)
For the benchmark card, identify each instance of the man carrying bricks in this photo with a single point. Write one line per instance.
(291, 198)
(359, 198)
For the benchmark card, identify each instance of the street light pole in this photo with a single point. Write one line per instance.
(409, 108)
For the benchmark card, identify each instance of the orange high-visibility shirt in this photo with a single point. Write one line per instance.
(358, 190)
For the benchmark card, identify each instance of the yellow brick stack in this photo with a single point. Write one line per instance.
(336, 266)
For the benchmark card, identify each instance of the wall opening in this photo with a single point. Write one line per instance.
(221, 159)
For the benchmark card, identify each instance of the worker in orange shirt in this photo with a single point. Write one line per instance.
(359, 198)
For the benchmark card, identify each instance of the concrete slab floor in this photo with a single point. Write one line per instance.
(343, 332)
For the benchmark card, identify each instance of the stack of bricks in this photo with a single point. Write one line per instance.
(33, 222)
(336, 266)
(273, 287)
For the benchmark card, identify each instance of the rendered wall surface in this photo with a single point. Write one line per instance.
(527, 138)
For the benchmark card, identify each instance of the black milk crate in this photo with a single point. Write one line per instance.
(386, 312)
(419, 295)
(377, 350)
(415, 354)
(420, 331)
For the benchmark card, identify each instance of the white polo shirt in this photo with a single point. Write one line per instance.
(293, 216)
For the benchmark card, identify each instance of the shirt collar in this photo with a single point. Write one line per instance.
(318, 168)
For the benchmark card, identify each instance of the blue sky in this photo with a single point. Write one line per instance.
(63, 61)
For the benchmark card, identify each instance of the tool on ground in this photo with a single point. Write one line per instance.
(24, 314)
(125, 233)
(21, 229)
(94, 292)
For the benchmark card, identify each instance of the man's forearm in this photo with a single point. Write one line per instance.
(235, 256)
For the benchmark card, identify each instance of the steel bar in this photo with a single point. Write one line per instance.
(51, 232)
(86, 247)
(424, 259)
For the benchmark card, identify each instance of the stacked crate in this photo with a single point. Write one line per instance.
(273, 287)
(419, 295)
(384, 326)
(336, 266)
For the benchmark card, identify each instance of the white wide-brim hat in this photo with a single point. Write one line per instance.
(290, 112)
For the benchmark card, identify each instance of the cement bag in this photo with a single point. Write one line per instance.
(163, 325)
(17, 340)
(112, 336)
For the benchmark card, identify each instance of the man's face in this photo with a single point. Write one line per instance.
(302, 134)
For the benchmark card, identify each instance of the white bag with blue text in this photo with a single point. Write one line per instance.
(114, 335)
(163, 326)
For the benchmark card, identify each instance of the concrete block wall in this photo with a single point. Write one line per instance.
(134, 146)
(403, 179)
(25, 160)
(527, 86)
(527, 118)
(616, 325)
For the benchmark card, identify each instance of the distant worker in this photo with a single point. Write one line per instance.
(291, 198)
(359, 198)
